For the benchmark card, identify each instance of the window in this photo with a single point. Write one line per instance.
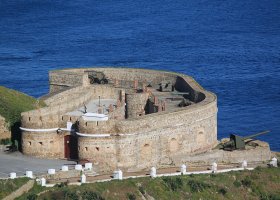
(97, 148)
(29, 143)
(86, 148)
(41, 143)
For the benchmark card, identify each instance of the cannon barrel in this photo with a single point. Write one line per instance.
(255, 135)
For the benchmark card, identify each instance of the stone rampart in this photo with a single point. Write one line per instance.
(158, 139)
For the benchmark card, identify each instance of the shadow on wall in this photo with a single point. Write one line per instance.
(181, 85)
(16, 137)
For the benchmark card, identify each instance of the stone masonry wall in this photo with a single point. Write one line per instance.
(135, 104)
(4, 131)
(156, 145)
(51, 144)
(157, 139)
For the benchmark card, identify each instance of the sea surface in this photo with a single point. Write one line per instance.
(230, 47)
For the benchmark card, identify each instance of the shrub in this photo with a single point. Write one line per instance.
(70, 195)
(173, 183)
(197, 186)
(237, 184)
(90, 195)
(5, 141)
(141, 189)
(131, 196)
(32, 196)
(222, 191)
(246, 182)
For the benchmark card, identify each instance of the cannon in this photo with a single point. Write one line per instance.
(237, 142)
(97, 77)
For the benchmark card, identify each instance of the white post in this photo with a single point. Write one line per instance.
(51, 171)
(214, 167)
(13, 175)
(43, 182)
(64, 168)
(69, 126)
(29, 174)
(153, 172)
(183, 169)
(78, 167)
(88, 166)
(83, 178)
(273, 162)
(120, 174)
(244, 164)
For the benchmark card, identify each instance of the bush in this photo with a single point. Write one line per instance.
(222, 191)
(131, 196)
(32, 196)
(197, 186)
(173, 183)
(5, 141)
(70, 195)
(90, 195)
(246, 182)
(141, 189)
(237, 184)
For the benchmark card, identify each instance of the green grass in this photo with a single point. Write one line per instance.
(9, 185)
(262, 183)
(12, 103)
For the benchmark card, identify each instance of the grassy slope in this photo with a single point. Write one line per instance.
(262, 183)
(12, 103)
(8, 186)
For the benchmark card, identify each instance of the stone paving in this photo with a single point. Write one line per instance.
(18, 163)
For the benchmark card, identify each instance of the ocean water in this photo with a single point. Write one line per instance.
(230, 47)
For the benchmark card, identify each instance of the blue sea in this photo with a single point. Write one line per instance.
(230, 47)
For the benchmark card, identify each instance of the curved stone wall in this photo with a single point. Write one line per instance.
(158, 139)
(45, 145)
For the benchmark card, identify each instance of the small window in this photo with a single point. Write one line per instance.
(86, 123)
(29, 143)
(41, 143)
(70, 119)
(51, 142)
(62, 118)
(86, 148)
(97, 123)
(97, 148)
(29, 118)
(40, 118)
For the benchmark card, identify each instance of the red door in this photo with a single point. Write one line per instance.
(70, 147)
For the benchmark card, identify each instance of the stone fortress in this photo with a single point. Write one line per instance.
(144, 118)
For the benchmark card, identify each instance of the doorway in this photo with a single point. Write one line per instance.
(70, 147)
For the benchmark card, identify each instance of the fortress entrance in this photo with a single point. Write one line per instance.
(70, 147)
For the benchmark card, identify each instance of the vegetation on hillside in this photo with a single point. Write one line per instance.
(12, 103)
(9, 185)
(262, 183)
